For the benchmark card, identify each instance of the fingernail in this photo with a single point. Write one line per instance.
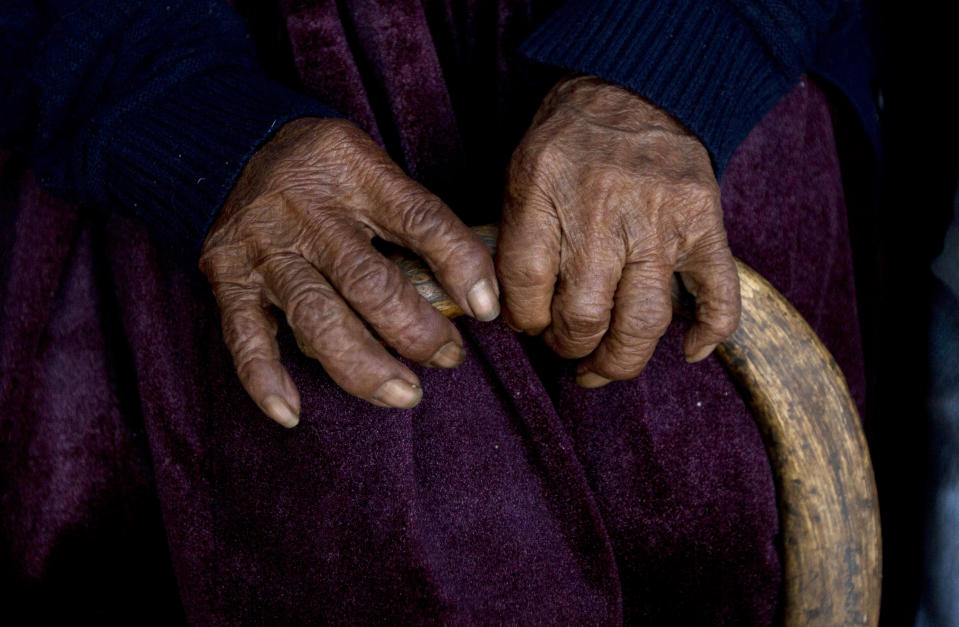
(701, 354)
(398, 393)
(482, 300)
(591, 380)
(277, 409)
(449, 355)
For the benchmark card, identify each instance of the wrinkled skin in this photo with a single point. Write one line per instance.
(296, 232)
(607, 197)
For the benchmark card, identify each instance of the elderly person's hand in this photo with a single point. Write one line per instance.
(607, 197)
(296, 232)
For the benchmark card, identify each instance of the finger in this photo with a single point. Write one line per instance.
(584, 299)
(527, 259)
(249, 332)
(336, 337)
(642, 313)
(710, 275)
(414, 218)
(382, 296)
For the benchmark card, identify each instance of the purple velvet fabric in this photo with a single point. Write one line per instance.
(127, 445)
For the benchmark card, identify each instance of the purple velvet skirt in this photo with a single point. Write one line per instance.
(138, 481)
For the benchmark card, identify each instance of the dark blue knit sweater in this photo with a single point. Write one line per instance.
(156, 106)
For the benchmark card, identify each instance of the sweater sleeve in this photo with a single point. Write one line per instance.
(716, 65)
(152, 107)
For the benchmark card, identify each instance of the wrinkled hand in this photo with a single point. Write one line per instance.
(607, 197)
(296, 232)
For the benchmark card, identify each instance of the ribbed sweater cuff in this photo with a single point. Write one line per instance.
(697, 60)
(172, 159)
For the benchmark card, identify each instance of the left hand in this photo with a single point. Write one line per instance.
(296, 232)
(607, 197)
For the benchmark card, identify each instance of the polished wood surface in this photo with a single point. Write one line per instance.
(826, 490)
(825, 487)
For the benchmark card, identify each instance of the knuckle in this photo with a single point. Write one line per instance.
(534, 160)
(368, 281)
(245, 333)
(425, 214)
(210, 265)
(309, 310)
(721, 305)
(703, 207)
(727, 325)
(518, 269)
(282, 264)
(260, 225)
(722, 321)
(249, 343)
(650, 322)
(247, 365)
(230, 297)
(523, 316)
(391, 305)
(325, 235)
(464, 254)
(223, 262)
(704, 189)
(578, 332)
(339, 128)
(583, 324)
(715, 252)
(413, 339)
(339, 136)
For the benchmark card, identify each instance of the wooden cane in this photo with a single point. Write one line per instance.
(826, 491)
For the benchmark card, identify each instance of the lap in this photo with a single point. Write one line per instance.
(508, 492)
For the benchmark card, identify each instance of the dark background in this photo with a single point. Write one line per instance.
(915, 65)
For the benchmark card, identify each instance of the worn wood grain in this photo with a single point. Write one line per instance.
(827, 495)
(825, 487)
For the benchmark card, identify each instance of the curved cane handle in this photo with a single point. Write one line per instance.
(828, 507)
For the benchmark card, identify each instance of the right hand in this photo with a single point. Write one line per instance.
(608, 196)
(296, 232)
